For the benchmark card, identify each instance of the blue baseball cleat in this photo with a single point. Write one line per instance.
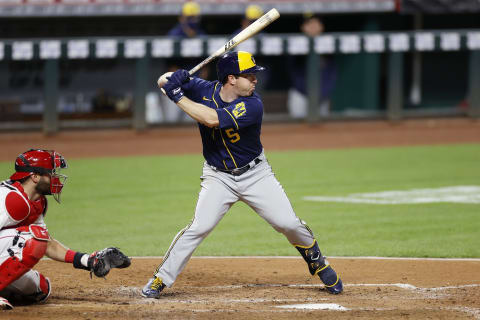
(332, 281)
(153, 288)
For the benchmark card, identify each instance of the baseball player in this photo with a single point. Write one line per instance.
(229, 113)
(24, 238)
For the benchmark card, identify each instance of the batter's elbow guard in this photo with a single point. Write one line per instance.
(313, 257)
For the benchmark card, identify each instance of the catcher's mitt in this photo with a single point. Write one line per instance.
(100, 262)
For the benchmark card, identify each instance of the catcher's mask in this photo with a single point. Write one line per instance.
(42, 162)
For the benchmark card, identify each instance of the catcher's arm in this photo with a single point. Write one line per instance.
(98, 263)
(55, 250)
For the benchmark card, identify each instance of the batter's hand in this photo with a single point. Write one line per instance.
(179, 77)
(100, 262)
(173, 91)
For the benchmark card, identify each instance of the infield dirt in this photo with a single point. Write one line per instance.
(254, 288)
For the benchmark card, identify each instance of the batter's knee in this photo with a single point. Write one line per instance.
(286, 228)
(201, 231)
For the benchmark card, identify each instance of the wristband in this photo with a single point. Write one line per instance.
(175, 94)
(69, 256)
(77, 261)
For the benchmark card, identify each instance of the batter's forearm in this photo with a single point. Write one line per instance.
(205, 115)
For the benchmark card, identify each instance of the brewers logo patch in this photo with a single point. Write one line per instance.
(239, 110)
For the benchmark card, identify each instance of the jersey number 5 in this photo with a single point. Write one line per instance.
(234, 136)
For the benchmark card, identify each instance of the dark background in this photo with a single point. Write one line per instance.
(444, 74)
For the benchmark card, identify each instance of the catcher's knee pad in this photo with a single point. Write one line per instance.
(34, 251)
(23, 256)
(10, 270)
(313, 257)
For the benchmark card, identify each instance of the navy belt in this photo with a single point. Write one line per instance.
(242, 170)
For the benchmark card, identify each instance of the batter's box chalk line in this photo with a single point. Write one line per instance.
(398, 285)
(315, 306)
(124, 290)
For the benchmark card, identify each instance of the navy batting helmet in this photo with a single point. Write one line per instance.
(236, 63)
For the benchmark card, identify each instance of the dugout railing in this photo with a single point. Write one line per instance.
(143, 50)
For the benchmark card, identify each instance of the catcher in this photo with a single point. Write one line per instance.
(24, 238)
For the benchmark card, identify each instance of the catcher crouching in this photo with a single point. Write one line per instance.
(24, 238)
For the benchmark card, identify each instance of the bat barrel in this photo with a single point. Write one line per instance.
(248, 32)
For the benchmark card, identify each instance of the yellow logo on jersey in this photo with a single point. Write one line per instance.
(239, 110)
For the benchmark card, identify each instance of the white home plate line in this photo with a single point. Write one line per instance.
(165, 300)
(475, 312)
(315, 306)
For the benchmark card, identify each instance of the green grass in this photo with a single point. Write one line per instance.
(140, 203)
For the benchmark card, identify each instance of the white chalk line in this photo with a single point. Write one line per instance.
(329, 257)
(475, 312)
(314, 306)
(398, 285)
(166, 300)
(406, 286)
(307, 302)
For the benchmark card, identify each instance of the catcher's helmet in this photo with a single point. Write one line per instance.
(236, 62)
(42, 162)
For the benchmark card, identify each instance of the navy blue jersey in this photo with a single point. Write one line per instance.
(236, 141)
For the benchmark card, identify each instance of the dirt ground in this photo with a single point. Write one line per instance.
(257, 288)
(289, 136)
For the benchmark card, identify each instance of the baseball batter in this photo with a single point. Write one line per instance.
(230, 113)
(24, 238)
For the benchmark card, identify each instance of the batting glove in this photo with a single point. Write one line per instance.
(173, 91)
(179, 77)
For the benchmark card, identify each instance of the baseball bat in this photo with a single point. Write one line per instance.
(246, 33)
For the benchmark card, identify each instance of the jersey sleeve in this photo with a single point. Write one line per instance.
(241, 113)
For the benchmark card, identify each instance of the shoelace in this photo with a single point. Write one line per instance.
(156, 284)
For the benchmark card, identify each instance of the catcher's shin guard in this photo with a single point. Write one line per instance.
(317, 264)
